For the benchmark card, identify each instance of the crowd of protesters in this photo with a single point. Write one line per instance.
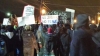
(81, 39)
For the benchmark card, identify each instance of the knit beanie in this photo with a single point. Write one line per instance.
(49, 30)
(82, 20)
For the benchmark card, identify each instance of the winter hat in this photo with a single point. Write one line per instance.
(49, 30)
(82, 20)
(27, 27)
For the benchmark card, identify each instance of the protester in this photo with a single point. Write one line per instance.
(82, 43)
(49, 41)
(57, 40)
(65, 42)
(18, 41)
(29, 41)
(96, 39)
(10, 34)
(93, 28)
(41, 39)
(3, 42)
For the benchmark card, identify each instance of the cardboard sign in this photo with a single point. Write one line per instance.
(29, 20)
(20, 21)
(28, 10)
(6, 21)
(49, 19)
(26, 20)
(72, 14)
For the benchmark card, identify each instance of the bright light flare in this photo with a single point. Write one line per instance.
(43, 11)
(75, 21)
(8, 14)
(98, 18)
(93, 22)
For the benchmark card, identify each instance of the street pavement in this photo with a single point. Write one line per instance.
(43, 51)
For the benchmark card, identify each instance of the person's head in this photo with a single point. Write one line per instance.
(27, 28)
(93, 27)
(41, 24)
(82, 21)
(63, 30)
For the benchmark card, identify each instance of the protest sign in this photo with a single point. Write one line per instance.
(20, 21)
(6, 21)
(72, 14)
(29, 20)
(26, 20)
(28, 10)
(49, 19)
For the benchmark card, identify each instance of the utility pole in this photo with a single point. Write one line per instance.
(41, 1)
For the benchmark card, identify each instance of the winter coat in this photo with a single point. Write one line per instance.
(57, 37)
(96, 39)
(49, 42)
(40, 37)
(18, 42)
(29, 43)
(65, 44)
(81, 44)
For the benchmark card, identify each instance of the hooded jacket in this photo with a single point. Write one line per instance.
(82, 43)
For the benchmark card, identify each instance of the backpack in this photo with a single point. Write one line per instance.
(2, 47)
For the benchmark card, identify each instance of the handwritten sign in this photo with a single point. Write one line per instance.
(26, 20)
(28, 10)
(49, 19)
(20, 21)
(6, 21)
(72, 14)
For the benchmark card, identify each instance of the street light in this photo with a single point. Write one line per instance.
(98, 18)
(75, 21)
(98, 14)
(8, 14)
(93, 22)
(43, 11)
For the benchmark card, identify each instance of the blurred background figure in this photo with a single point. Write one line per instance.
(82, 43)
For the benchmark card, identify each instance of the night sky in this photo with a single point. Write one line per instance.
(90, 7)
